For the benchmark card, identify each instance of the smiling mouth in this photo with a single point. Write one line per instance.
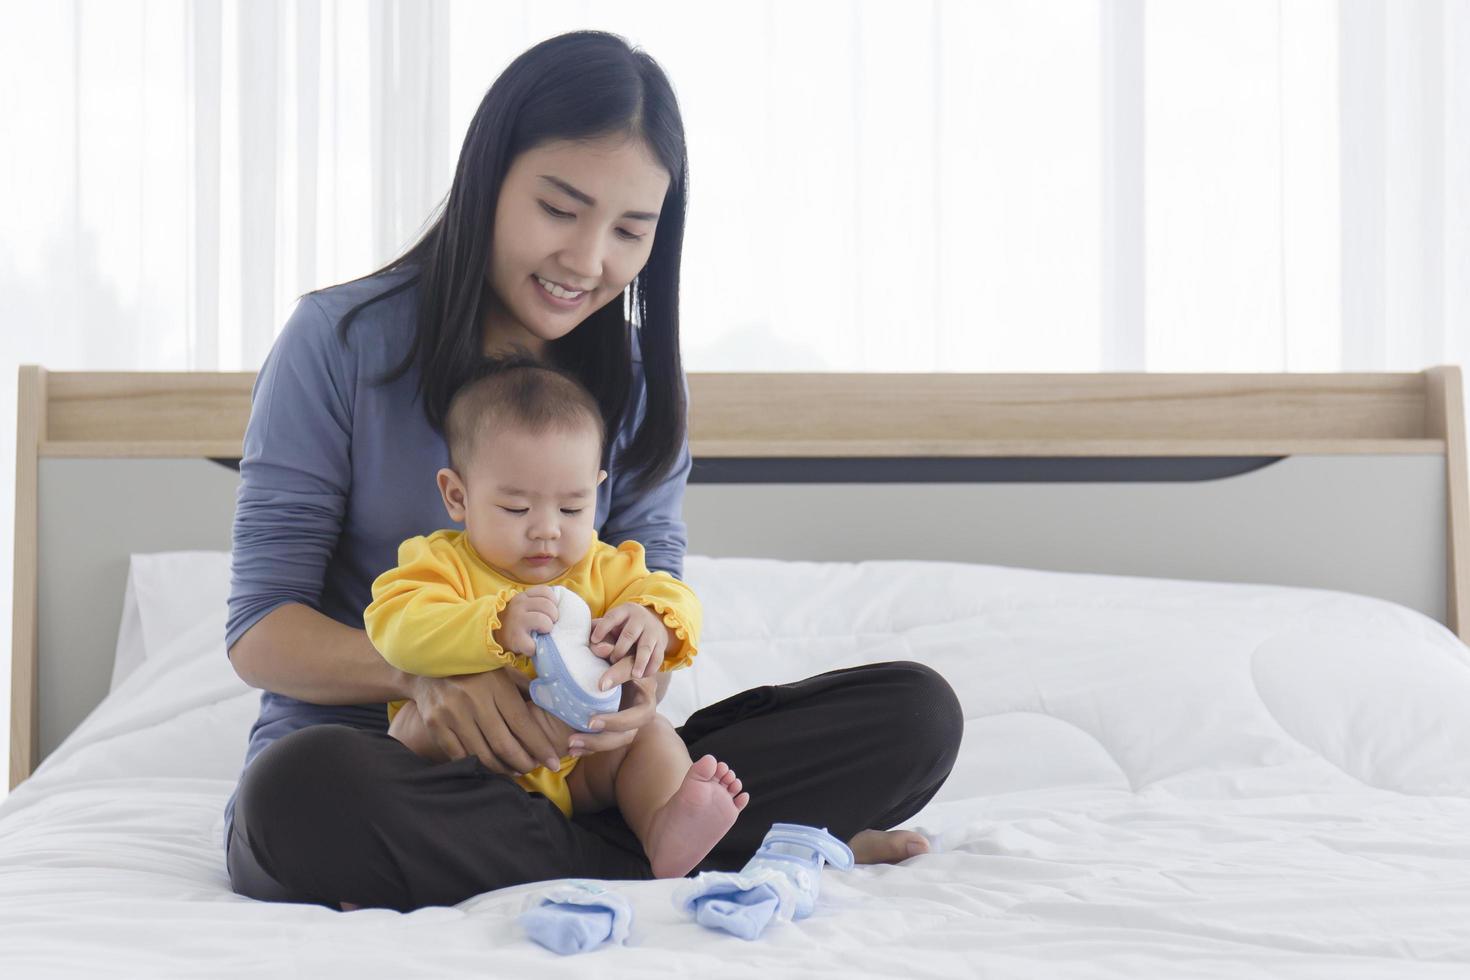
(559, 291)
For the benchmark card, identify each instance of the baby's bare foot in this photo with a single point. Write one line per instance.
(699, 813)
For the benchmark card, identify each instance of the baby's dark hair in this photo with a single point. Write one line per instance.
(517, 391)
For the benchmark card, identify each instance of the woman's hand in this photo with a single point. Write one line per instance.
(531, 611)
(485, 715)
(618, 729)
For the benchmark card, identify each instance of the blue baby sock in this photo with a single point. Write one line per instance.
(780, 883)
(577, 916)
(743, 912)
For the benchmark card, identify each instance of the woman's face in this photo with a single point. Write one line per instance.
(573, 226)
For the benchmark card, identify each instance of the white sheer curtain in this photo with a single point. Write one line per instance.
(1068, 185)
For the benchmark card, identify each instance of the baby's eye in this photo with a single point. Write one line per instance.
(516, 511)
(571, 512)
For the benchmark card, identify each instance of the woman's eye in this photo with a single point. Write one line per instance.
(516, 511)
(623, 233)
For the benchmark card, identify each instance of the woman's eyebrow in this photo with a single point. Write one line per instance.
(587, 199)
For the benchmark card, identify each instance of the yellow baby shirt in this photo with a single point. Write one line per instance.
(435, 614)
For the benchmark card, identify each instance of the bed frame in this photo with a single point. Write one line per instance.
(1354, 482)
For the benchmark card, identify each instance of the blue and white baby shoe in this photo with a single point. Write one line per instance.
(780, 883)
(567, 671)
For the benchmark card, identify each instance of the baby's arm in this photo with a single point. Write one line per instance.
(656, 621)
(651, 616)
(425, 618)
(525, 613)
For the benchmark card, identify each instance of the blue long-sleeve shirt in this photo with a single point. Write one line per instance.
(338, 469)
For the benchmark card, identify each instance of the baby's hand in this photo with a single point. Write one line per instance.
(631, 630)
(531, 611)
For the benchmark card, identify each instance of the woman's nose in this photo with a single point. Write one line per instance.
(583, 256)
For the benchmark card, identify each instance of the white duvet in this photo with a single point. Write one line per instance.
(1157, 779)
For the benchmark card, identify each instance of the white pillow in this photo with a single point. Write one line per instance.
(168, 594)
(129, 654)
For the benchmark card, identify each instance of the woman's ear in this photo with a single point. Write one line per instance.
(452, 489)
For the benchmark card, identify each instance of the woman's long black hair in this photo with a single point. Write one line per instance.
(577, 86)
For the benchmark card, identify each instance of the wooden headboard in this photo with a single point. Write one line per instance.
(905, 434)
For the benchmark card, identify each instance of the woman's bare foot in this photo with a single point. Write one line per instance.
(700, 812)
(886, 846)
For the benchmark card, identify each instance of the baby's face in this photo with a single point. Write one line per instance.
(528, 501)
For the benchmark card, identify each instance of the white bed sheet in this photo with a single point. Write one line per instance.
(1158, 778)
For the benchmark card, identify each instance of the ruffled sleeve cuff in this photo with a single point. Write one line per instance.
(688, 646)
(498, 655)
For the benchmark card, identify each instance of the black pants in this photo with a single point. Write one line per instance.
(331, 814)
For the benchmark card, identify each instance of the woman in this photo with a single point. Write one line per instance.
(567, 204)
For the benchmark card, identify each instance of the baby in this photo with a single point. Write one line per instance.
(525, 441)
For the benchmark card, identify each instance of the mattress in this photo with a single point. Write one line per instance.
(1158, 778)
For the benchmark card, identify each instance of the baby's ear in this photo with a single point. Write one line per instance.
(452, 489)
(601, 475)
